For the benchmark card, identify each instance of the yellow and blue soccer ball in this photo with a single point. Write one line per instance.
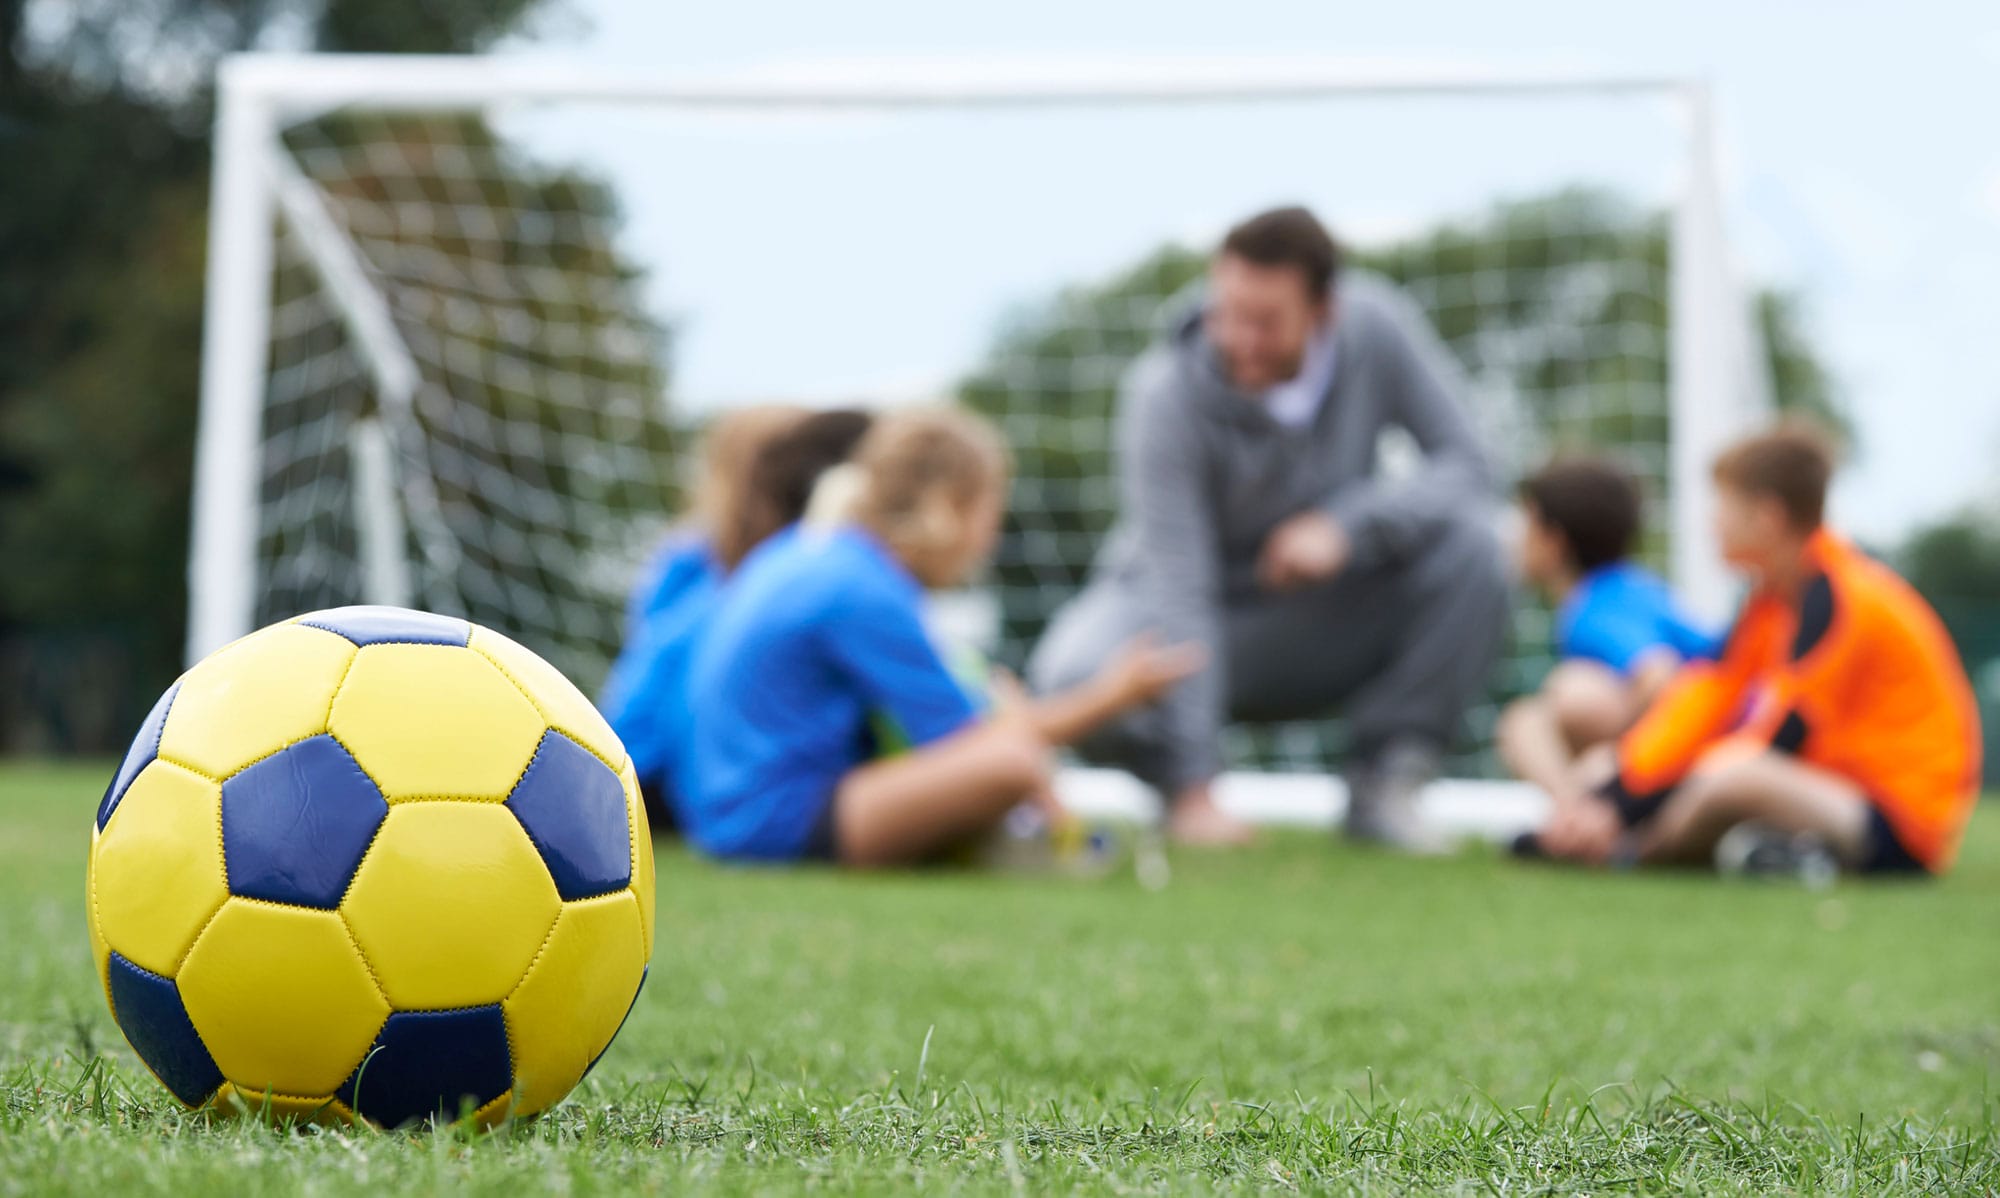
(372, 862)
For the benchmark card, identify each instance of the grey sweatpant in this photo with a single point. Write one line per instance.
(1400, 650)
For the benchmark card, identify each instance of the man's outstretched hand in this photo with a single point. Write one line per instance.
(1304, 550)
(1143, 669)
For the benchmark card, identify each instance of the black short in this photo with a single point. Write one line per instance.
(822, 839)
(1883, 853)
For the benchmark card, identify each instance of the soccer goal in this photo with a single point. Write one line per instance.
(466, 316)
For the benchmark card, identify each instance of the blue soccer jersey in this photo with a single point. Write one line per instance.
(1621, 612)
(817, 632)
(684, 562)
(645, 693)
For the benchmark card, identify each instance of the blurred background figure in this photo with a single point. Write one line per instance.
(1619, 632)
(1253, 520)
(698, 550)
(758, 469)
(1838, 722)
(820, 641)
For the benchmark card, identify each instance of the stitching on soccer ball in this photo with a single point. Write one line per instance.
(326, 721)
(181, 961)
(522, 980)
(548, 718)
(354, 941)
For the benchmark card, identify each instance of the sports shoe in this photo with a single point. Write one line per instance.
(1528, 846)
(1382, 800)
(1754, 850)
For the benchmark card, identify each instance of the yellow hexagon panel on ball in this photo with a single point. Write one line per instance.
(376, 863)
(259, 960)
(159, 877)
(561, 1010)
(254, 697)
(472, 739)
(486, 903)
(561, 704)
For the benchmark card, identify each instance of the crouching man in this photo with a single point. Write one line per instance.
(1253, 521)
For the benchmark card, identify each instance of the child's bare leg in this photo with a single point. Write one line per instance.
(1767, 787)
(1583, 829)
(1591, 702)
(1595, 767)
(1531, 741)
(1580, 706)
(903, 810)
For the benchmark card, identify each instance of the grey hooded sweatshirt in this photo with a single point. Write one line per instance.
(1205, 474)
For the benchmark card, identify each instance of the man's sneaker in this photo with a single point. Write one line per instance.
(1382, 800)
(1528, 846)
(1753, 850)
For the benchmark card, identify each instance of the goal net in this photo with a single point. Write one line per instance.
(467, 319)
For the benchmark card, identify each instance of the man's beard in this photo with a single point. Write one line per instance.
(1284, 372)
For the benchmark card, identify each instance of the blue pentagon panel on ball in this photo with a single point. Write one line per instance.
(145, 746)
(295, 825)
(149, 1011)
(376, 625)
(428, 1064)
(573, 808)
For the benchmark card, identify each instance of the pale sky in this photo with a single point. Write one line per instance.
(857, 256)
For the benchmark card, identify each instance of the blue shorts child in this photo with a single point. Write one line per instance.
(819, 636)
(1620, 613)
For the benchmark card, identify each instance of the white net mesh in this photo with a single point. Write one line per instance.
(536, 461)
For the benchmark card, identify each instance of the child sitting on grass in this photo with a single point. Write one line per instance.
(821, 634)
(1838, 721)
(1619, 633)
(759, 468)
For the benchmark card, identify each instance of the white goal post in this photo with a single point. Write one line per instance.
(1715, 379)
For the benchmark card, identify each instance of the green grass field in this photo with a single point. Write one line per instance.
(1298, 1016)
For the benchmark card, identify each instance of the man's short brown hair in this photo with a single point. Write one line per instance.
(1790, 463)
(1592, 502)
(1290, 236)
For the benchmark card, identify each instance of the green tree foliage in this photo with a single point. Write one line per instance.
(418, 26)
(1957, 558)
(100, 303)
(1955, 563)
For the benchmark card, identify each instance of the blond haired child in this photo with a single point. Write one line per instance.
(820, 636)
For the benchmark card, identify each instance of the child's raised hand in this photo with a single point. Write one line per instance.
(1140, 672)
(1144, 669)
(1009, 699)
